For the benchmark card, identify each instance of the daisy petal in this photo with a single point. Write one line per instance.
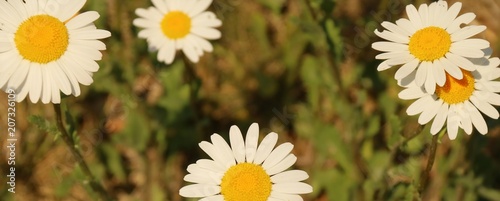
(277, 155)
(286, 163)
(440, 118)
(199, 190)
(406, 69)
(237, 144)
(290, 176)
(467, 32)
(292, 187)
(265, 147)
(199, 7)
(251, 142)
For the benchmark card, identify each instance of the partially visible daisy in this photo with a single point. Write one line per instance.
(47, 48)
(459, 101)
(432, 43)
(173, 25)
(245, 172)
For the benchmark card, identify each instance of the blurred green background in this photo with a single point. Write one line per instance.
(301, 68)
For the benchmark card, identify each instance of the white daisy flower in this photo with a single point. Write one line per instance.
(245, 172)
(178, 25)
(458, 101)
(46, 47)
(432, 43)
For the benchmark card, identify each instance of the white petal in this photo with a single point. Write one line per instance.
(430, 82)
(290, 176)
(477, 118)
(151, 14)
(144, 23)
(392, 37)
(49, 86)
(161, 5)
(414, 16)
(96, 44)
(195, 169)
(206, 19)
(484, 107)
(467, 32)
(423, 11)
(411, 93)
(251, 142)
(213, 198)
(189, 50)
(206, 32)
(35, 82)
(210, 165)
(406, 69)
(81, 75)
(204, 44)
(22, 91)
(292, 188)
(199, 190)
(389, 46)
(90, 34)
(286, 163)
(198, 7)
(449, 16)
(5, 46)
(452, 124)
(61, 79)
(430, 112)
(467, 52)
(20, 74)
(383, 66)
(439, 74)
(400, 60)
(460, 61)
(441, 117)
(493, 98)
(421, 75)
(167, 52)
(199, 178)
(475, 43)
(462, 19)
(390, 55)
(10, 66)
(450, 68)
(237, 144)
(465, 121)
(419, 105)
(64, 10)
(20, 8)
(265, 147)
(277, 196)
(223, 150)
(75, 86)
(211, 151)
(395, 29)
(406, 25)
(82, 20)
(277, 155)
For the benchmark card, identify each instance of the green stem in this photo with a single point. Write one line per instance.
(96, 186)
(430, 162)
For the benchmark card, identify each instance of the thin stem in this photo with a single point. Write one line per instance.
(430, 162)
(96, 186)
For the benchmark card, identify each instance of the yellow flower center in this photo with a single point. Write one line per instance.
(41, 39)
(176, 25)
(456, 91)
(429, 44)
(246, 182)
